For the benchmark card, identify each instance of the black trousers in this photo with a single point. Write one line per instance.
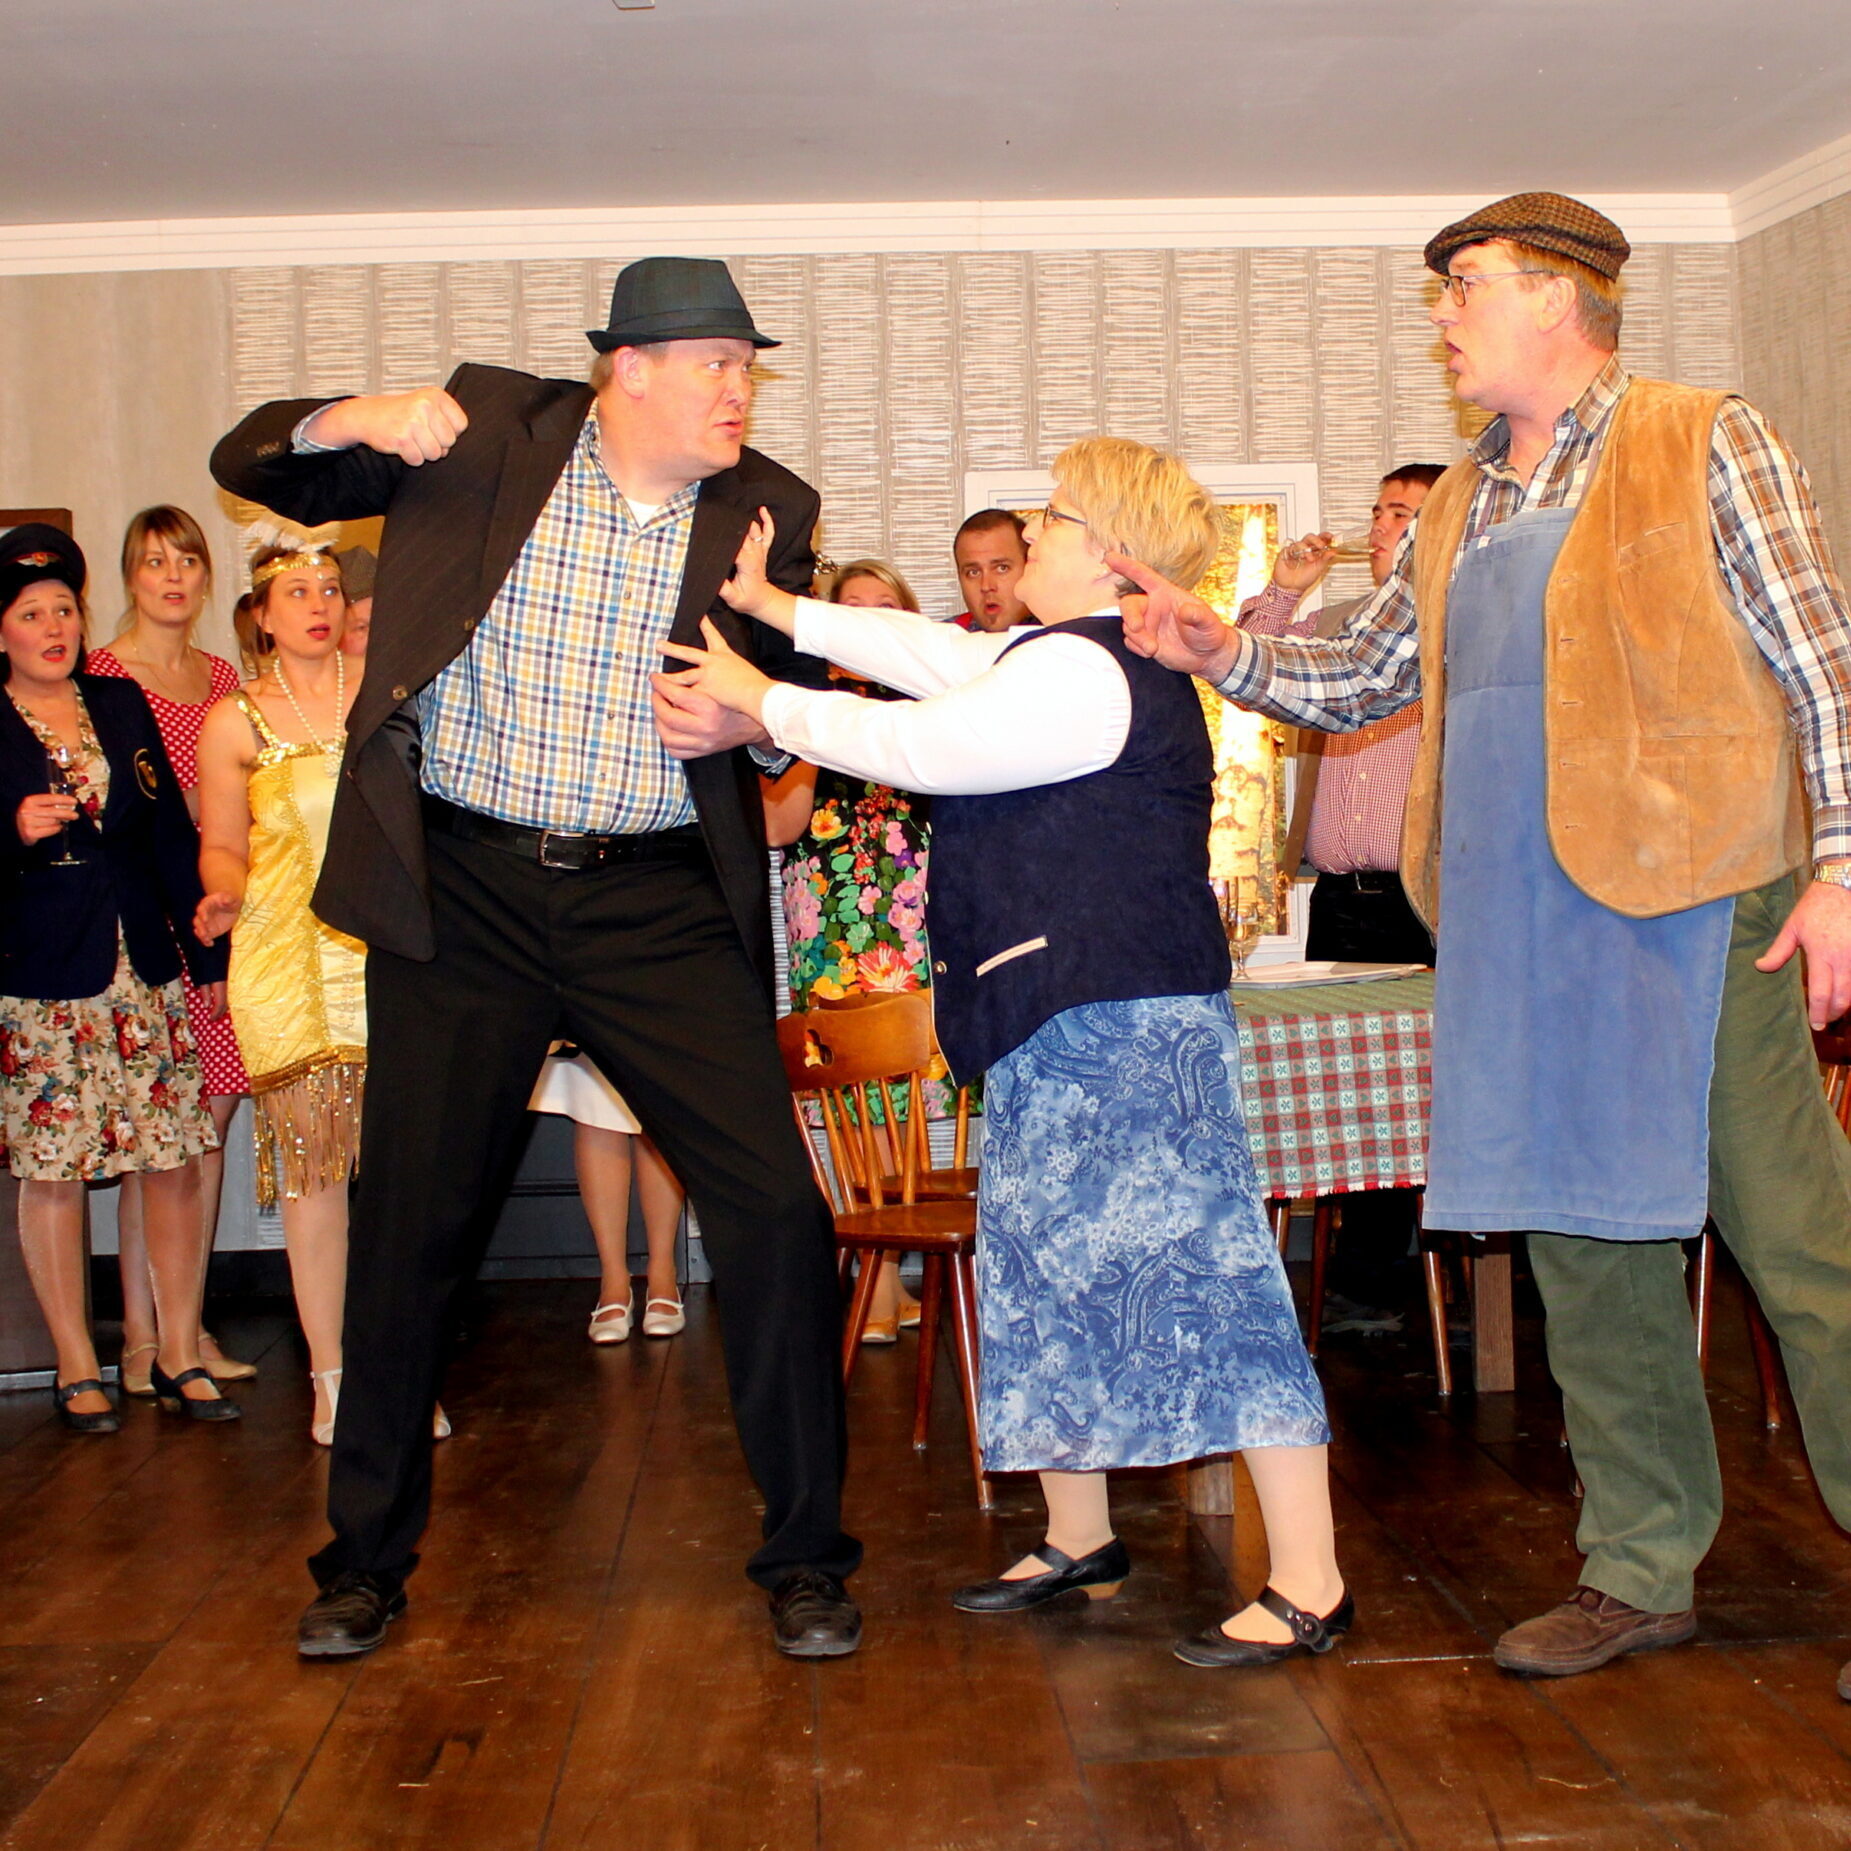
(641, 964)
(1367, 917)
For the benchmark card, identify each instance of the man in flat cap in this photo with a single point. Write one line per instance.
(1633, 646)
(530, 852)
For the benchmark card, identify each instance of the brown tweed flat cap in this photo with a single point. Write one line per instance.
(1550, 221)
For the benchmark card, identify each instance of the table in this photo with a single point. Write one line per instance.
(1336, 1083)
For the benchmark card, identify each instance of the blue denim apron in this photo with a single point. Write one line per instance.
(1572, 1046)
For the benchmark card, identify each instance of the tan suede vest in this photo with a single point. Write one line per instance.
(1672, 772)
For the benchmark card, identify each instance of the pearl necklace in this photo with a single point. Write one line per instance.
(331, 748)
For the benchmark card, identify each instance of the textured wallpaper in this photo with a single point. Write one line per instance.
(1796, 347)
(901, 372)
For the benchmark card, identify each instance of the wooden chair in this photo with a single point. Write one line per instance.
(853, 1063)
(932, 1185)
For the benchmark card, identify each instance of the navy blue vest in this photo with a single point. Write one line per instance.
(1093, 890)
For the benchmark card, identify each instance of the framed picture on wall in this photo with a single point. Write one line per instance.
(1262, 506)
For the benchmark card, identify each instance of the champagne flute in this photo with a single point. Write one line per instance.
(1242, 922)
(59, 760)
(1343, 547)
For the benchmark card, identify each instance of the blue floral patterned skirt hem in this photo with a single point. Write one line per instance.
(1132, 1306)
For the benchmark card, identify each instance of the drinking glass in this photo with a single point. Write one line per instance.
(1241, 918)
(58, 760)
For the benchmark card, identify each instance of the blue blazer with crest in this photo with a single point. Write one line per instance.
(138, 865)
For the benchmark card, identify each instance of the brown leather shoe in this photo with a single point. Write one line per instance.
(1587, 1632)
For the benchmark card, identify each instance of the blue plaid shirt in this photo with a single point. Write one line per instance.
(544, 719)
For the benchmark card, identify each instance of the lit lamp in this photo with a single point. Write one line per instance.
(1246, 835)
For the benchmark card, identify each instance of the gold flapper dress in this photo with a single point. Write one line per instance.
(297, 987)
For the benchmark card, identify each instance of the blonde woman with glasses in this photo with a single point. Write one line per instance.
(1133, 1308)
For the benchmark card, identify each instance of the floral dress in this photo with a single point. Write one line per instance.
(854, 895)
(179, 723)
(99, 1086)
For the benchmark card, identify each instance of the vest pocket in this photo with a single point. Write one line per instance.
(1015, 951)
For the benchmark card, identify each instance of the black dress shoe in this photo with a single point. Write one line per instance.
(1214, 1650)
(1098, 1575)
(349, 1616)
(167, 1393)
(813, 1617)
(64, 1393)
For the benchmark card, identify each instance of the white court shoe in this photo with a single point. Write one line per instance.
(611, 1323)
(664, 1317)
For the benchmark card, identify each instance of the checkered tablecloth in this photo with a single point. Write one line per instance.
(1335, 1082)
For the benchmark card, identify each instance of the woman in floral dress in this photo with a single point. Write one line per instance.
(854, 888)
(98, 1073)
(167, 577)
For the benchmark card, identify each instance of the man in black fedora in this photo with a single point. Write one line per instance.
(529, 854)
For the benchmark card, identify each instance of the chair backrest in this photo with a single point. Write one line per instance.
(960, 1122)
(854, 1063)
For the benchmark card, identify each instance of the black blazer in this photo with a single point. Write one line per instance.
(456, 526)
(140, 862)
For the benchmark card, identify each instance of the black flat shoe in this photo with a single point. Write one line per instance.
(812, 1616)
(348, 1617)
(64, 1393)
(1214, 1650)
(167, 1393)
(1099, 1576)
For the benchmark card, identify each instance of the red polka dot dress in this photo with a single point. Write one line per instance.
(179, 723)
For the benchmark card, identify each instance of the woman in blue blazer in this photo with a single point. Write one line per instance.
(98, 1073)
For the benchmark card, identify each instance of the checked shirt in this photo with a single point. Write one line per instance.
(1769, 546)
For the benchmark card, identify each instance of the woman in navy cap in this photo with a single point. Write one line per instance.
(98, 1073)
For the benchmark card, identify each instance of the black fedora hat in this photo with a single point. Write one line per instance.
(676, 299)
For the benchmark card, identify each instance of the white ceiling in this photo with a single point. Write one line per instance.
(119, 109)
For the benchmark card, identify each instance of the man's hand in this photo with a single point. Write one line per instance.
(1165, 622)
(416, 427)
(1820, 926)
(1299, 566)
(713, 705)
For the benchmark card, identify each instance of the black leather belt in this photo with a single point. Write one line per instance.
(1365, 880)
(555, 848)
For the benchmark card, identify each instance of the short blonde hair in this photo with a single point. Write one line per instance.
(1598, 298)
(881, 573)
(1142, 503)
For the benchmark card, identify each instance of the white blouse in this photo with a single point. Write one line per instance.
(1055, 710)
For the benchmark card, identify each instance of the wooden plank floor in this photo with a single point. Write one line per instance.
(584, 1666)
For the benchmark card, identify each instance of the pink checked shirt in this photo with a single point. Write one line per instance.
(1363, 780)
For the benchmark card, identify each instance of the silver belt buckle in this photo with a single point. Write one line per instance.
(546, 859)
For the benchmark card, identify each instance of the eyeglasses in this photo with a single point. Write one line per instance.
(1052, 513)
(1460, 287)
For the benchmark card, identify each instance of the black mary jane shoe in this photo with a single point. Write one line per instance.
(1214, 1650)
(167, 1393)
(1098, 1575)
(64, 1393)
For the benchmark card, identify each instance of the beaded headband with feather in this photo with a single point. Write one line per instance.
(304, 559)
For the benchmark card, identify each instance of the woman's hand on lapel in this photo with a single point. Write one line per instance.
(749, 591)
(702, 708)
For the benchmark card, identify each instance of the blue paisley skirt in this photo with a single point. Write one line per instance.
(1131, 1302)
